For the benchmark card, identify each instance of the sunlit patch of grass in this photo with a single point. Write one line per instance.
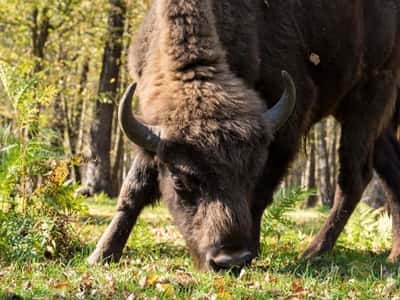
(156, 265)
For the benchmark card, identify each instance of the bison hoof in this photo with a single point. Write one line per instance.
(316, 249)
(394, 256)
(100, 258)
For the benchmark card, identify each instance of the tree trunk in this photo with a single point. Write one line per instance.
(310, 175)
(81, 115)
(334, 133)
(98, 171)
(118, 162)
(40, 29)
(59, 122)
(323, 164)
(76, 120)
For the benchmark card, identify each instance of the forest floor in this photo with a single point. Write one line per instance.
(156, 265)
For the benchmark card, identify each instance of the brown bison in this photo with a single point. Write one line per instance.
(208, 69)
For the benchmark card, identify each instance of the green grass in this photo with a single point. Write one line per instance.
(156, 265)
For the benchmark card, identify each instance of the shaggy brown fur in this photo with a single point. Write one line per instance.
(206, 71)
(208, 115)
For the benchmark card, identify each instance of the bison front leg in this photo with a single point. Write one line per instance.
(139, 189)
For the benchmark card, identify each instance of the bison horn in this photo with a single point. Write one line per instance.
(280, 113)
(142, 135)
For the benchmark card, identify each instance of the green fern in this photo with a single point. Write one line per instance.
(35, 194)
(275, 217)
(368, 227)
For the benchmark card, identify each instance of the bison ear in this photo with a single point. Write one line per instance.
(280, 113)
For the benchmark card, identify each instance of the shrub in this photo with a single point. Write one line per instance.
(36, 197)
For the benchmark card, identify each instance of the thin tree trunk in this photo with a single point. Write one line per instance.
(333, 161)
(40, 31)
(59, 122)
(75, 131)
(81, 116)
(323, 164)
(118, 162)
(310, 175)
(98, 171)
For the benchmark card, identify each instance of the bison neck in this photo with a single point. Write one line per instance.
(186, 77)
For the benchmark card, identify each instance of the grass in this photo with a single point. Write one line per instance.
(156, 265)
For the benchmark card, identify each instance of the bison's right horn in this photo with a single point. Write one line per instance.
(142, 135)
(280, 113)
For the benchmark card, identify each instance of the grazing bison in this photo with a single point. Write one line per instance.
(208, 69)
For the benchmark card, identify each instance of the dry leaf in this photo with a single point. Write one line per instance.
(61, 285)
(142, 281)
(219, 284)
(224, 296)
(297, 286)
(390, 286)
(130, 297)
(152, 280)
(167, 288)
(184, 279)
(271, 279)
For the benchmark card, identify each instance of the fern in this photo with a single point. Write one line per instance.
(275, 217)
(368, 227)
(35, 194)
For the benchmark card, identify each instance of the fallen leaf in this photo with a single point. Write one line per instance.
(152, 279)
(271, 279)
(130, 297)
(390, 286)
(183, 279)
(142, 281)
(224, 296)
(167, 288)
(219, 284)
(297, 286)
(61, 285)
(242, 273)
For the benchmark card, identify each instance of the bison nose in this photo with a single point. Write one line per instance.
(224, 259)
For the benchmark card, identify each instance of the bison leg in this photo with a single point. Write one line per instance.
(361, 115)
(139, 189)
(387, 164)
(355, 173)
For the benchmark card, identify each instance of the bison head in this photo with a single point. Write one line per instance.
(207, 175)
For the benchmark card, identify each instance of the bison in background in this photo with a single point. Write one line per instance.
(208, 69)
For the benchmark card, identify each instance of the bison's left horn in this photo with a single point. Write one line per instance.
(143, 135)
(280, 113)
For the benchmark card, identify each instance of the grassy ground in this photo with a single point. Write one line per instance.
(156, 265)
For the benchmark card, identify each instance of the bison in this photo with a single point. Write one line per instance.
(219, 126)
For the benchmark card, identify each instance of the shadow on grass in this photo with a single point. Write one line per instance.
(95, 220)
(343, 263)
(157, 250)
(10, 296)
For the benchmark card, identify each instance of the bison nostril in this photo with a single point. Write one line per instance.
(227, 260)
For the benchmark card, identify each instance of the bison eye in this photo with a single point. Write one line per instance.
(178, 183)
(184, 182)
